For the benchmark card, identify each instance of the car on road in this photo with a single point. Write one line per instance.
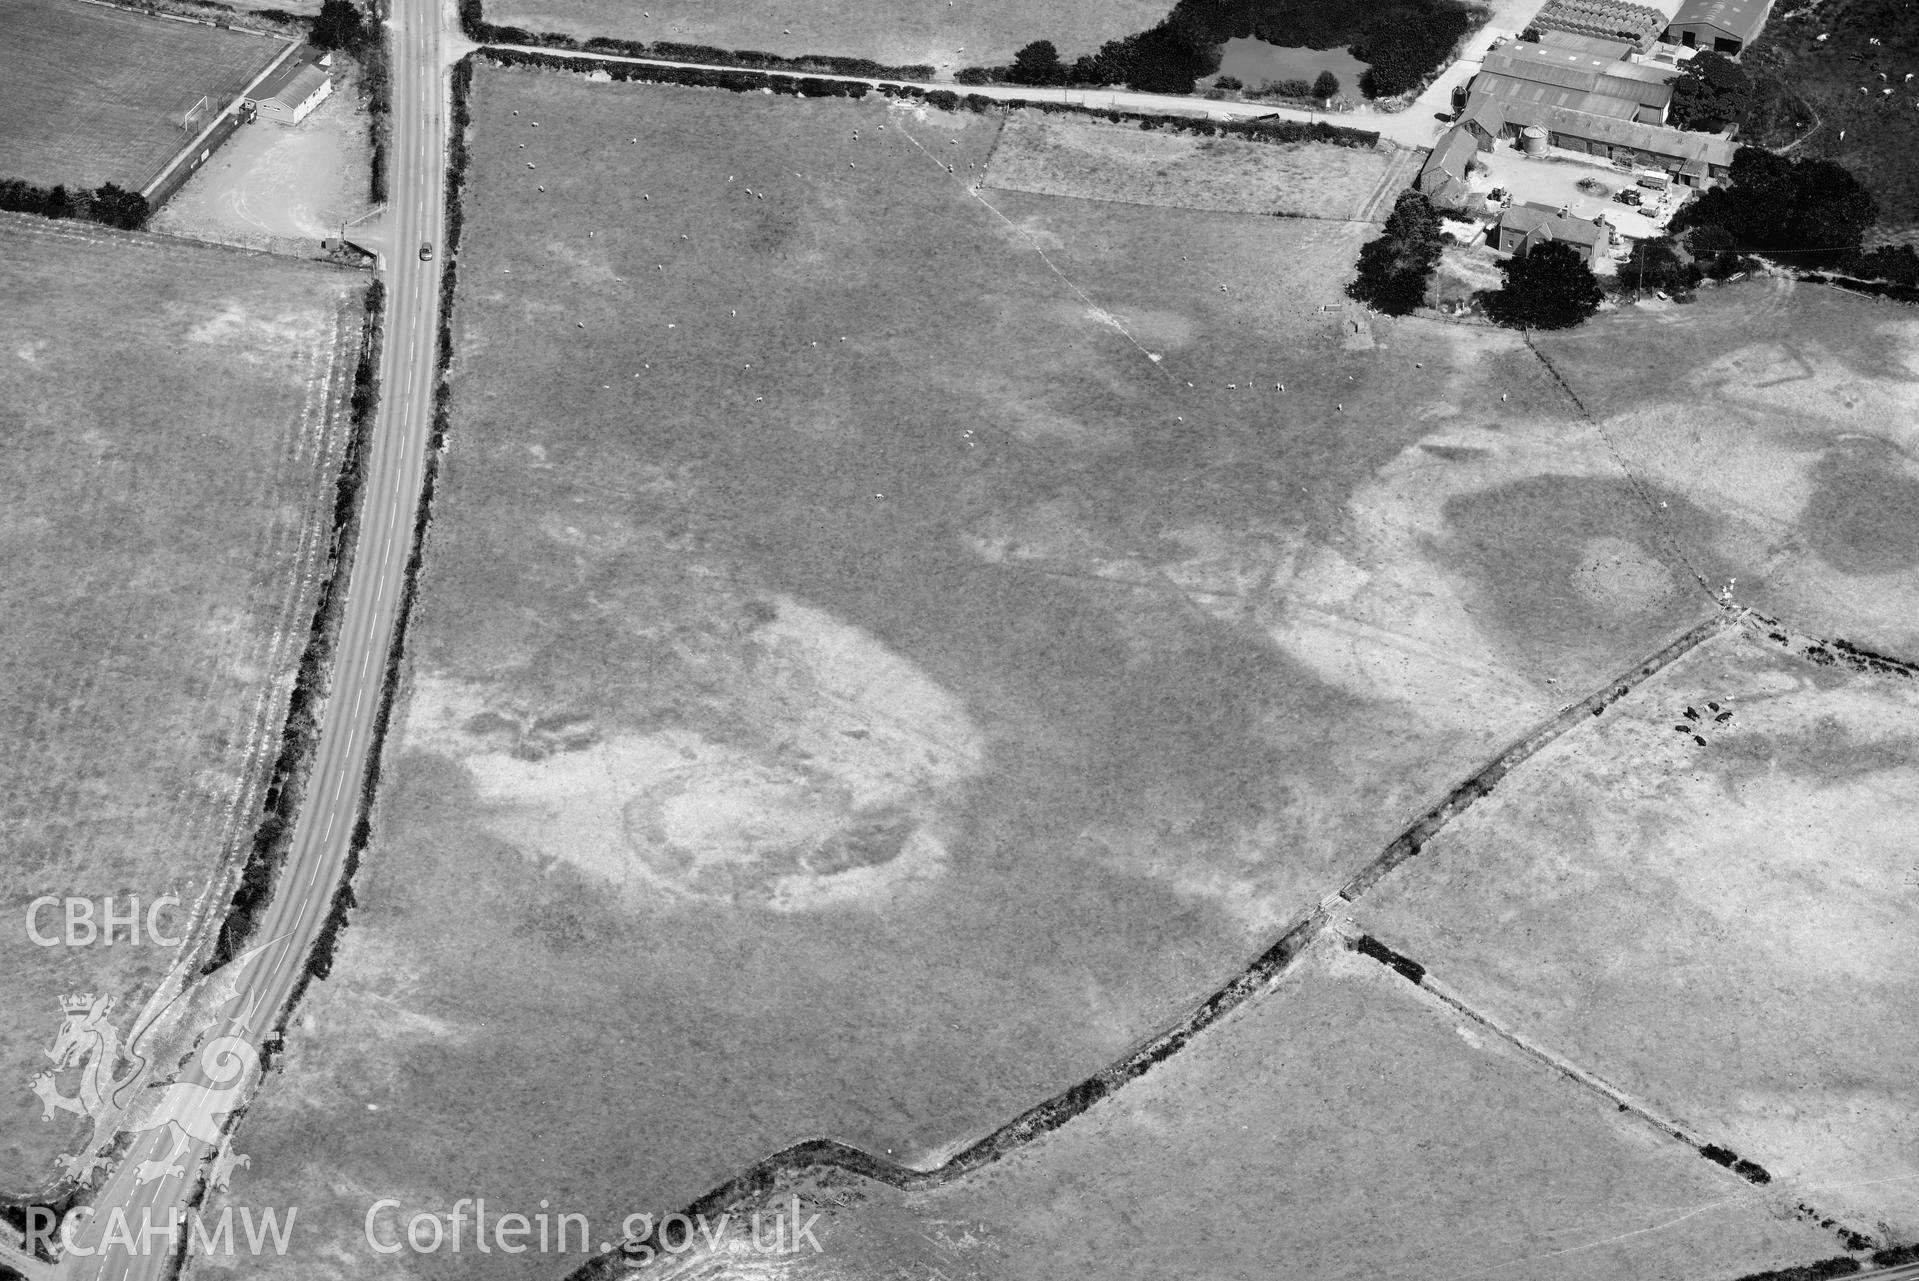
(426, 251)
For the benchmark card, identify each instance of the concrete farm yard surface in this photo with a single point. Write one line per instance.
(175, 416)
(89, 94)
(888, 647)
(897, 32)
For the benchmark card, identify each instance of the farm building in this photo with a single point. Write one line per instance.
(1484, 120)
(1578, 81)
(1443, 177)
(291, 93)
(1724, 26)
(1523, 227)
(1693, 159)
(1637, 25)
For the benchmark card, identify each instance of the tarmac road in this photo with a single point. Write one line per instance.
(304, 892)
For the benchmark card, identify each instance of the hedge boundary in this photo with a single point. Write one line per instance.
(300, 736)
(734, 80)
(1269, 967)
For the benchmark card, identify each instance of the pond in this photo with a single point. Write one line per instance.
(1255, 62)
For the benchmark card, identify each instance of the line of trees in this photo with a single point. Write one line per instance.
(300, 732)
(108, 203)
(1404, 45)
(341, 25)
(473, 22)
(744, 81)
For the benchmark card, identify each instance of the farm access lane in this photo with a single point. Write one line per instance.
(1410, 128)
(303, 894)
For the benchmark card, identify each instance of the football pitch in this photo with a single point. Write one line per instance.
(90, 95)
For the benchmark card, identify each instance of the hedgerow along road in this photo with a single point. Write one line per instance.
(395, 467)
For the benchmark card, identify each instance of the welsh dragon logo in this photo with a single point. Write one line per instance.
(128, 1100)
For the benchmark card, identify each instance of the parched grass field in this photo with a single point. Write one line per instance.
(1797, 429)
(1051, 156)
(1716, 919)
(980, 33)
(174, 417)
(1346, 1127)
(86, 91)
(887, 647)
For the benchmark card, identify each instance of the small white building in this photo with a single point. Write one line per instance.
(290, 94)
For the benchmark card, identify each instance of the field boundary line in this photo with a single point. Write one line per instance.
(1837, 652)
(1619, 458)
(1420, 975)
(1281, 214)
(1266, 971)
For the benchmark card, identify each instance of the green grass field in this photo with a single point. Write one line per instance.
(1048, 155)
(86, 91)
(175, 416)
(888, 647)
(919, 31)
(1346, 1127)
(1720, 928)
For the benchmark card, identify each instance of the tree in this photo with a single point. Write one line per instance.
(117, 207)
(1549, 288)
(1170, 58)
(1415, 221)
(1814, 209)
(1394, 269)
(1037, 64)
(339, 26)
(1711, 93)
(1405, 44)
(1231, 83)
(1657, 263)
(1327, 86)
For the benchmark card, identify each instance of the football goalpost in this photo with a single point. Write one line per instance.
(194, 115)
